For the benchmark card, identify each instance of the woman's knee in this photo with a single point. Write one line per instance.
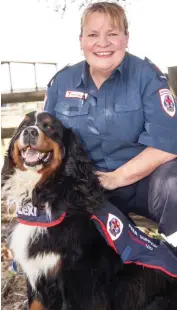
(163, 188)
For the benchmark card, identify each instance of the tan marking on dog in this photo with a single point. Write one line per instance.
(54, 164)
(36, 305)
(16, 157)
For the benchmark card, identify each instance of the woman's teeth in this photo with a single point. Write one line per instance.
(104, 53)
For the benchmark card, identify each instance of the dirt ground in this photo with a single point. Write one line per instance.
(13, 287)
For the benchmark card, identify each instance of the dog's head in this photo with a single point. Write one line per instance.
(44, 150)
(38, 144)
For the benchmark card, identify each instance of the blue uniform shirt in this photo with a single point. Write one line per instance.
(132, 109)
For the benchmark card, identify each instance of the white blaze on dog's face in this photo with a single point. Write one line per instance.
(38, 145)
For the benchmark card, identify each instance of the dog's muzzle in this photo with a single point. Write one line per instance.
(30, 136)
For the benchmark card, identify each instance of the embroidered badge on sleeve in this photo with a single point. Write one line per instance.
(167, 101)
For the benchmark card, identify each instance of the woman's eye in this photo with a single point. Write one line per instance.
(113, 34)
(92, 35)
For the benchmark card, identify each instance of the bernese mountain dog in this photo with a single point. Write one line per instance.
(49, 178)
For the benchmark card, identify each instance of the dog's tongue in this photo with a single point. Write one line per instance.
(31, 155)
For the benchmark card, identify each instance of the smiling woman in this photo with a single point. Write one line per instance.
(123, 111)
(103, 39)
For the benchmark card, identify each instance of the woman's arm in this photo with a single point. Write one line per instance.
(136, 169)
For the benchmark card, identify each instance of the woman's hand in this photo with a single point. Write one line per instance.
(109, 180)
(135, 169)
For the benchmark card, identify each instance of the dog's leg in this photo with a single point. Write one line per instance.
(33, 302)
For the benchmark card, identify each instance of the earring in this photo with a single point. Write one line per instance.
(82, 53)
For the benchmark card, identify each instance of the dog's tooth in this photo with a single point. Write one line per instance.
(46, 159)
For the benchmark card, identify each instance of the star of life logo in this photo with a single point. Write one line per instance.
(27, 209)
(167, 101)
(114, 226)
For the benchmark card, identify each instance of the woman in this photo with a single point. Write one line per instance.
(123, 111)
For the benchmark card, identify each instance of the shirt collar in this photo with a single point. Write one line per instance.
(120, 67)
(83, 78)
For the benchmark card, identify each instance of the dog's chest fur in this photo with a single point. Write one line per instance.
(18, 188)
(35, 266)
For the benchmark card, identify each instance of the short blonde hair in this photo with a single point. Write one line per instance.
(113, 10)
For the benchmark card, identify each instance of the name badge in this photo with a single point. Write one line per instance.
(76, 94)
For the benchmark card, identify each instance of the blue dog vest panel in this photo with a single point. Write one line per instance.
(131, 244)
(27, 214)
(119, 232)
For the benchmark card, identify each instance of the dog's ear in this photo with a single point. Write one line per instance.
(79, 168)
(9, 167)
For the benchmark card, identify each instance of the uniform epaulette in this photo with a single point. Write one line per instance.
(159, 72)
(153, 66)
(62, 69)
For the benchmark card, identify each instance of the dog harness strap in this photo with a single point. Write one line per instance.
(133, 245)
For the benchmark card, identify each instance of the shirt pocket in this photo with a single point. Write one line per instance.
(72, 112)
(72, 107)
(127, 108)
(129, 120)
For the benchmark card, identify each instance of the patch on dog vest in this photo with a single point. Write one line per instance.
(114, 226)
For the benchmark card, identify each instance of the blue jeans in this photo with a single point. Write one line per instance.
(154, 197)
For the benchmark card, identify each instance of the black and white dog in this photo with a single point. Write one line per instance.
(68, 264)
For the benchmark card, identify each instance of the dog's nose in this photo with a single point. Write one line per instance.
(30, 132)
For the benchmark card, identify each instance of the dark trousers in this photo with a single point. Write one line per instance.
(154, 197)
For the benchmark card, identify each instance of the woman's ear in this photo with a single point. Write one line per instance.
(80, 40)
(126, 40)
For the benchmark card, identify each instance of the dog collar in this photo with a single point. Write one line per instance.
(29, 215)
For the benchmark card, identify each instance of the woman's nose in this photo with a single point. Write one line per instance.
(103, 41)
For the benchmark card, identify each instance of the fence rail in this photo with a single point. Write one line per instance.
(20, 97)
(34, 93)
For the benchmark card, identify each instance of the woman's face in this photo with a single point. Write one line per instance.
(103, 45)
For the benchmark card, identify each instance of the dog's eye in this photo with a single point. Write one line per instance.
(47, 126)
